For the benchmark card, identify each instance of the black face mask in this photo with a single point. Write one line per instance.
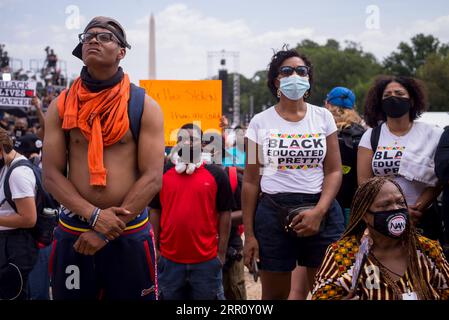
(396, 107)
(19, 132)
(391, 223)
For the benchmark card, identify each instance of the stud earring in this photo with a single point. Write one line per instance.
(278, 93)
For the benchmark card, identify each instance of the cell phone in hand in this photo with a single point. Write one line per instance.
(255, 270)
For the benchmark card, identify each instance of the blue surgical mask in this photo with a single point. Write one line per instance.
(294, 87)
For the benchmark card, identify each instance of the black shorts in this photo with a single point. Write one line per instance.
(124, 269)
(281, 252)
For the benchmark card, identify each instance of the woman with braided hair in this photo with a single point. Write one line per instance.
(400, 264)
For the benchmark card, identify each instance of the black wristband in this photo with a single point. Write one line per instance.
(102, 236)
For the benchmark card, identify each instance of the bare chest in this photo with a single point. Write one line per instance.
(77, 140)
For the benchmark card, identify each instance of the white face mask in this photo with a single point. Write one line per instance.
(294, 87)
(182, 167)
(206, 157)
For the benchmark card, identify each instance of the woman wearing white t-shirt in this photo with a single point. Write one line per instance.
(404, 149)
(298, 164)
(18, 250)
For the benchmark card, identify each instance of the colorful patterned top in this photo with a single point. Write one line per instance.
(333, 280)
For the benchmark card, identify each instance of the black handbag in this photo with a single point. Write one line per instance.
(286, 214)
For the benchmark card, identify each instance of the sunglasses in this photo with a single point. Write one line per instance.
(302, 71)
(103, 37)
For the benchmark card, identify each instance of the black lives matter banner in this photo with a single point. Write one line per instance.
(16, 93)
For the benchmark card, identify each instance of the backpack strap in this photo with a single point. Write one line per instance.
(233, 179)
(66, 132)
(232, 171)
(375, 135)
(135, 109)
(7, 188)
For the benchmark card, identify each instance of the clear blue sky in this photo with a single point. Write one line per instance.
(187, 30)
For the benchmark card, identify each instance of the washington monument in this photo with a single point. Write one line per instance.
(152, 51)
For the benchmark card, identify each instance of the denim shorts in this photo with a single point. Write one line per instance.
(193, 281)
(39, 279)
(281, 252)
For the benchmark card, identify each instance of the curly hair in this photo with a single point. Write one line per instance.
(373, 103)
(276, 61)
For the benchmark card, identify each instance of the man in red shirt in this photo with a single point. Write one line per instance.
(191, 217)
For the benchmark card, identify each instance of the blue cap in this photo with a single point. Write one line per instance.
(341, 97)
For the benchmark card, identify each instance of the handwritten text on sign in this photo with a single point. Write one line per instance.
(186, 101)
(16, 93)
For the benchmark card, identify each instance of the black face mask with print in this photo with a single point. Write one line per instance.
(396, 107)
(390, 223)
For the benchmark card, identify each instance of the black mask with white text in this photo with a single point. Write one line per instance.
(390, 223)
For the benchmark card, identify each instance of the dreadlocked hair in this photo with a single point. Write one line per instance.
(363, 198)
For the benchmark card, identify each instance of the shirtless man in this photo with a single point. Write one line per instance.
(103, 246)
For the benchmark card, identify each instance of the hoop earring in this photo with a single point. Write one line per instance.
(278, 93)
(306, 95)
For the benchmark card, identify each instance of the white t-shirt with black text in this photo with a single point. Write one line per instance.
(293, 152)
(387, 158)
(22, 183)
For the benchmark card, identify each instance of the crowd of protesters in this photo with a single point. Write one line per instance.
(318, 201)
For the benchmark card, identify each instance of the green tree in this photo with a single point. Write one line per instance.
(409, 57)
(435, 74)
(333, 66)
(255, 87)
(350, 66)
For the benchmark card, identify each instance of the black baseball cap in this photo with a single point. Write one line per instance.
(27, 144)
(107, 23)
